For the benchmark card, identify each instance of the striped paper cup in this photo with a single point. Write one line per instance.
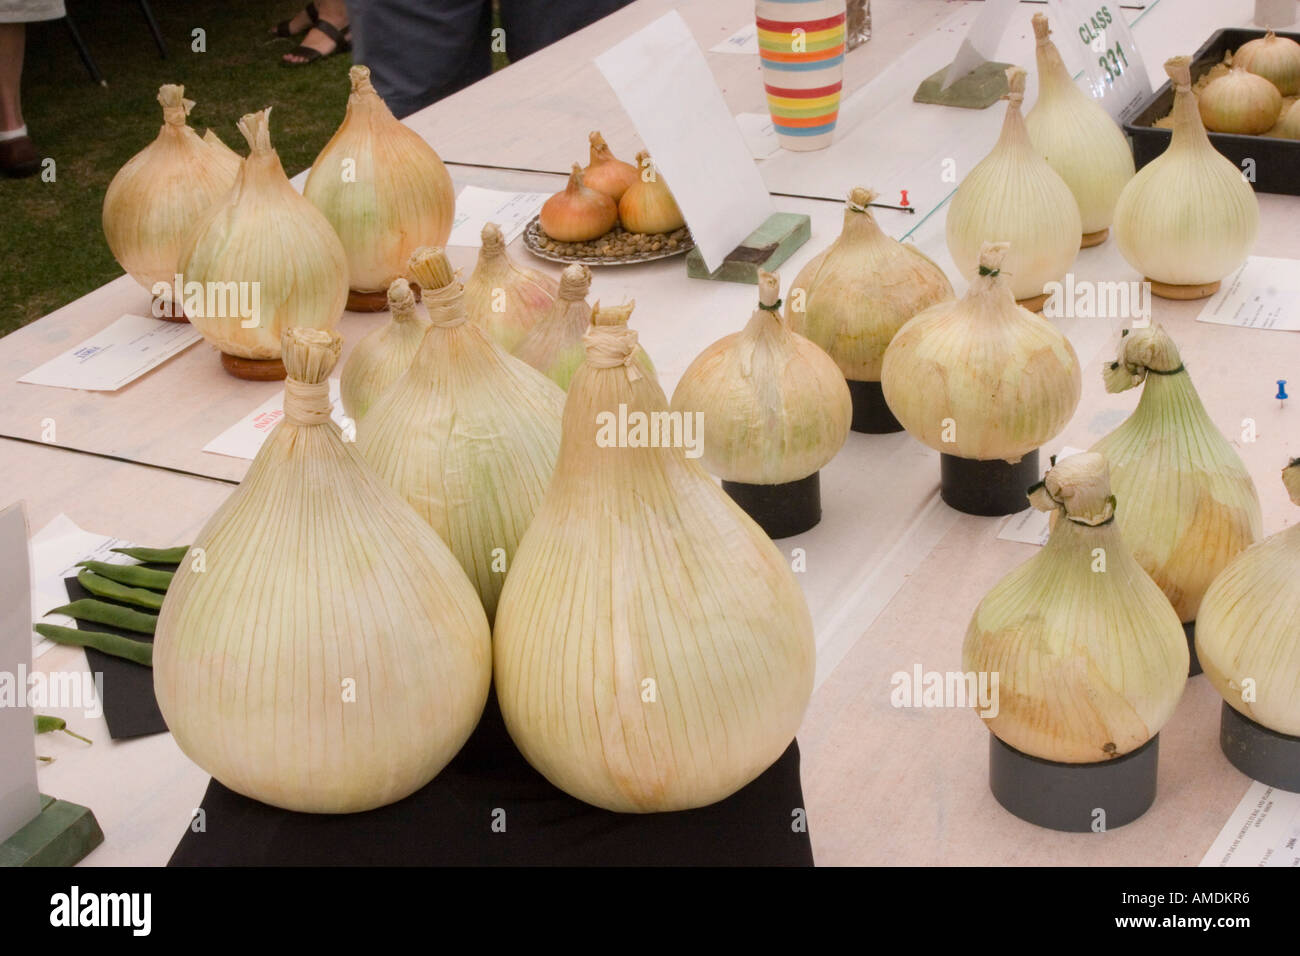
(801, 45)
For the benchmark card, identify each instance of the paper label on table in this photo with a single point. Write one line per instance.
(56, 551)
(245, 438)
(1264, 830)
(759, 135)
(1032, 526)
(1095, 35)
(1263, 294)
(19, 799)
(665, 85)
(981, 42)
(744, 40)
(476, 207)
(117, 355)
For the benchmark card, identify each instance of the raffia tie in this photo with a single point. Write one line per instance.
(610, 347)
(306, 403)
(446, 315)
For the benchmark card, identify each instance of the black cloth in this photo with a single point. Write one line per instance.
(450, 823)
(130, 708)
(418, 52)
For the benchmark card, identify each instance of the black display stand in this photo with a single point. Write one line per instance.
(1067, 796)
(488, 807)
(1270, 757)
(871, 413)
(988, 488)
(1193, 662)
(780, 510)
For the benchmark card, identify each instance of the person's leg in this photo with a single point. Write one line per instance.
(333, 12)
(418, 52)
(532, 24)
(12, 37)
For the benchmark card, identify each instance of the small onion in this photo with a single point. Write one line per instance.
(1275, 58)
(607, 174)
(578, 213)
(648, 206)
(1240, 102)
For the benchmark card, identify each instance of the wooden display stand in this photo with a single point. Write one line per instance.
(765, 248)
(253, 370)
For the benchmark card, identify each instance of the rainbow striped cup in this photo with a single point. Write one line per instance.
(801, 44)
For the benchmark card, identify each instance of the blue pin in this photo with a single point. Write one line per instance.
(1282, 396)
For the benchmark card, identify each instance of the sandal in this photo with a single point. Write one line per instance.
(284, 29)
(342, 44)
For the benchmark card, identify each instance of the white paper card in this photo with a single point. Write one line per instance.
(665, 85)
(1264, 830)
(744, 40)
(759, 135)
(56, 550)
(476, 207)
(982, 40)
(1095, 35)
(1032, 526)
(244, 439)
(117, 355)
(1263, 294)
(19, 799)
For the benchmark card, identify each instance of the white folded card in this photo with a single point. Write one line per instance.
(759, 135)
(19, 800)
(117, 355)
(665, 85)
(1263, 294)
(245, 437)
(744, 40)
(475, 207)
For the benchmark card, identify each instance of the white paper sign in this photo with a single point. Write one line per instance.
(476, 207)
(1094, 35)
(759, 135)
(1263, 294)
(19, 798)
(665, 85)
(744, 40)
(1264, 830)
(245, 438)
(116, 356)
(981, 42)
(1032, 526)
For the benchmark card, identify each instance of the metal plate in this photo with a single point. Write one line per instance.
(533, 236)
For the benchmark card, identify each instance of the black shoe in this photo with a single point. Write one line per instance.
(19, 158)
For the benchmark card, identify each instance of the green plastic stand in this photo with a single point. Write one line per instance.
(977, 90)
(765, 248)
(60, 835)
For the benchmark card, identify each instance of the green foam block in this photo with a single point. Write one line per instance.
(977, 90)
(60, 835)
(765, 248)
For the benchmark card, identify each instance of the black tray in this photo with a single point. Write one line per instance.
(1277, 161)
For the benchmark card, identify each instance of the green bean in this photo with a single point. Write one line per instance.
(101, 586)
(139, 651)
(101, 612)
(46, 724)
(156, 555)
(131, 574)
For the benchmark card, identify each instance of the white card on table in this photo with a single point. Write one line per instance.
(117, 355)
(20, 801)
(1264, 830)
(665, 85)
(981, 42)
(245, 437)
(744, 40)
(475, 207)
(1093, 35)
(1263, 294)
(759, 134)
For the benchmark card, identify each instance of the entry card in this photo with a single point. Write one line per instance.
(1263, 294)
(1264, 830)
(116, 355)
(1094, 35)
(476, 207)
(665, 85)
(245, 437)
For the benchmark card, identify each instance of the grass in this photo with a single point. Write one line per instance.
(51, 240)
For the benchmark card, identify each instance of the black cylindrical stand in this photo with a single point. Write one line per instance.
(1267, 756)
(1194, 662)
(780, 510)
(871, 413)
(1068, 796)
(987, 488)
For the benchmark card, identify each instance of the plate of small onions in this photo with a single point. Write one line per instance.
(610, 213)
